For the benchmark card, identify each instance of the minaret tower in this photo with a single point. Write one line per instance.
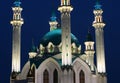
(98, 24)
(53, 23)
(67, 74)
(65, 10)
(16, 23)
(89, 51)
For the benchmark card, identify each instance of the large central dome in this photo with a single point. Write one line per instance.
(54, 36)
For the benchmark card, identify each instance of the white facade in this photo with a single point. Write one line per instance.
(50, 65)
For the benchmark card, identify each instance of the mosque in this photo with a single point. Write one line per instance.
(59, 58)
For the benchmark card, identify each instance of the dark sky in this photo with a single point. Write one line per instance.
(36, 15)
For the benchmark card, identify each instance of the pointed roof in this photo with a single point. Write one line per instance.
(98, 5)
(17, 3)
(53, 17)
(89, 37)
(34, 48)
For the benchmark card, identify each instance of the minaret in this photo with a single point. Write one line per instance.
(65, 10)
(67, 72)
(98, 24)
(89, 51)
(53, 23)
(16, 42)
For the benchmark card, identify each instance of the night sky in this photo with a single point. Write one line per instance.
(37, 13)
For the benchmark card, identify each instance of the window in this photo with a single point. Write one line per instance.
(55, 76)
(33, 71)
(45, 77)
(82, 77)
(74, 77)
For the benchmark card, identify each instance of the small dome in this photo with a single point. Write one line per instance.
(55, 37)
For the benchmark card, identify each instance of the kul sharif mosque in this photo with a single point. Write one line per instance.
(59, 58)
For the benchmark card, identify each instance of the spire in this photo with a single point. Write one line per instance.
(98, 5)
(89, 36)
(33, 49)
(17, 3)
(53, 17)
(53, 22)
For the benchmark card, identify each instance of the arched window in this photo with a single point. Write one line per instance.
(82, 77)
(33, 71)
(55, 76)
(45, 77)
(74, 77)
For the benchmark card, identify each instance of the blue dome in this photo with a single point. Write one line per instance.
(55, 37)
